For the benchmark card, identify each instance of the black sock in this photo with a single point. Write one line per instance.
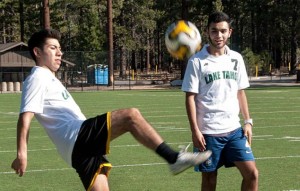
(167, 153)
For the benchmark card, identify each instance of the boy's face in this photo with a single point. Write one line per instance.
(50, 55)
(219, 33)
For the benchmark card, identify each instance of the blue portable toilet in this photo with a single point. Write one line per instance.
(101, 75)
(97, 74)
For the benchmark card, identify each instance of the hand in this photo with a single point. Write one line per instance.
(199, 141)
(19, 165)
(248, 133)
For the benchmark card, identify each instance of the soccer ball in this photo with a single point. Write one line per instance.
(182, 39)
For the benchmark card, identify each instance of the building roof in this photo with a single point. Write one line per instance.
(11, 45)
(22, 59)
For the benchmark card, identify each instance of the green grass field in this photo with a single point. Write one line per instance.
(276, 143)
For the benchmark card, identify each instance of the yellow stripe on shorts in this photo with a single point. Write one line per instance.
(108, 123)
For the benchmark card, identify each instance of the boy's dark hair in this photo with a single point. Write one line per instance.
(217, 17)
(39, 38)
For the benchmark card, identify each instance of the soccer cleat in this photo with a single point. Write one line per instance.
(186, 160)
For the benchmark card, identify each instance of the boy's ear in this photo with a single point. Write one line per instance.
(36, 51)
(206, 31)
(230, 32)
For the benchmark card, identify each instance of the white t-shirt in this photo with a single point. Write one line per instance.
(216, 80)
(54, 108)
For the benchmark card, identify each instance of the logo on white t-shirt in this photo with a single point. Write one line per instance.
(65, 94)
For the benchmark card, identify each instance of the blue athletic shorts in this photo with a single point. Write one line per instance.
(226, 150)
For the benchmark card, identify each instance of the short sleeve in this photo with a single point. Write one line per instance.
(33, 95)
(191, 77)
(243, 81)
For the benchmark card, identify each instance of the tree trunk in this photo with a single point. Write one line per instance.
(294, 43)
(148, 54)
(21, 10)
(4, 28)
(123, 63)
(46, 14)
(110, 43)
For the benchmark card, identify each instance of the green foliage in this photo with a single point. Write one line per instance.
(251, 60)
(10, 28)
(139, 25)
(218, 5)
(262, 61)
(265, 60)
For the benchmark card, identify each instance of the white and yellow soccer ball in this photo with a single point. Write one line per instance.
(182, 39)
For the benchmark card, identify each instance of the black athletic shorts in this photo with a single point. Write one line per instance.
(91, 146)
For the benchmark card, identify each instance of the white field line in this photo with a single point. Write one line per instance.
(15, 128)
(31, 137)
(278, 157)
(255, 138)
(132, 145)
(29, 150)
(9, 113)
(113, 146)
(136, 165)
(161, 129)
(159, 125)
(184, 115)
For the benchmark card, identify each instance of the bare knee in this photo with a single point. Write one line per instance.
(253, 175)
(125, 118)
(125, 114)
(250, 180)
(133, 112)
(248, 170)
(132, 115)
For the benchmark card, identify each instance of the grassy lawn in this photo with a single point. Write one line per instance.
(276, 143)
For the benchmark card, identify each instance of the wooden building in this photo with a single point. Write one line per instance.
(16, 64)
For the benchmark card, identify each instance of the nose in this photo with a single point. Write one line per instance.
(219, 33)
(60, 52)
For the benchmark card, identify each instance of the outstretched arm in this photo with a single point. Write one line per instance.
(20, 163)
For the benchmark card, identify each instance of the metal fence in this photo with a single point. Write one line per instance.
(82, 71)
